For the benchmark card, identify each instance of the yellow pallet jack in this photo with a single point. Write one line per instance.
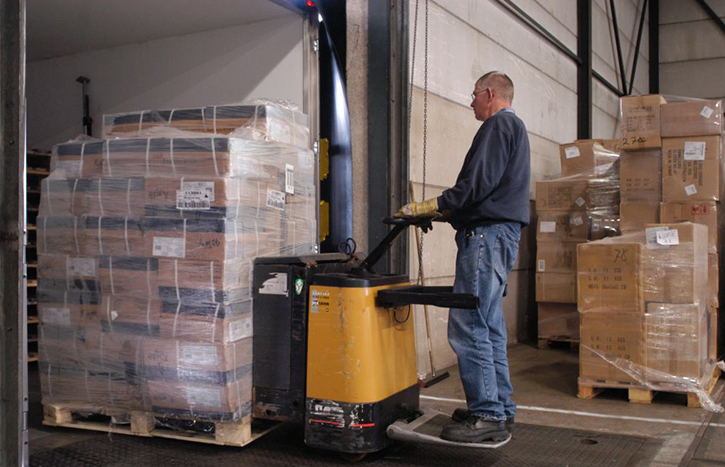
(361, 388)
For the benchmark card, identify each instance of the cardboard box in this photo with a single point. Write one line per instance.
(713, 280)
(78, 159)
(124, 314)
(558, 320)
(116, 236)
(712, 326)
(208, 275)
(691, 118)
(178, 360)
(556, 256)
(588, 159)
(676, 337)
(556, 287)
(576, 195)
(107, 197)
(60, 234)
(136, 277)
(68, 309)
(614, 145)
(691, 168)
(610, 277)
(208, 329)
(640, 121)
(698, 212)
(225, 402)
(676, 269)
(610, 341)
(575, 225)
(640, 175)
(634, 215)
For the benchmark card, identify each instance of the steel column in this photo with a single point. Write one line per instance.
(584, 73)
(622, 73)
(636, 49)
(388, 124)
(654, 46)
(13, 320)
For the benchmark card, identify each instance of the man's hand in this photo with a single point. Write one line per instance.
(427, 208)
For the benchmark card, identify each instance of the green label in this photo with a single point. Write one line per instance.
(299, 285)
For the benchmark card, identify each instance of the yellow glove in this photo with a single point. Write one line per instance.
(427, 208)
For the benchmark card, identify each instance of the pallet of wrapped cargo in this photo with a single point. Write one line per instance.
(579, 207)
(146, 246)
(642, 300)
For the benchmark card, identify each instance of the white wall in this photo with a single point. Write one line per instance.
(261, 60)
(692, 50)
(466, 39)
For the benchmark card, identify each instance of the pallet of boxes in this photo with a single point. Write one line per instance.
(580, 206)
(648, 300)
(146, 241)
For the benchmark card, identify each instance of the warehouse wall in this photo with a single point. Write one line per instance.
(466, 39)
(692, 50)
(223, 66)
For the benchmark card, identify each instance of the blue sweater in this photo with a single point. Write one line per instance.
(493, 185)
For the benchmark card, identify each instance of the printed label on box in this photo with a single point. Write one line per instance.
(289, 179)
(706, 112)
(192, 200)
(694, 150)
(651, 237)
(578, 221)
(240, 329)
(198, 355)
(57, 316)
(80, 266)
(572, 152)
(203, 187)
(69, 168)
(668, 237)
(542, 265)
(114, 315)
(275, 199)
(690, 190)
(580, 201)
(547, 227)
(205, 397)
(170, 247)
(275, 285)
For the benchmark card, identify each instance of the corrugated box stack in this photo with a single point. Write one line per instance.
(146, 244)
(643, 308)
(580, 206)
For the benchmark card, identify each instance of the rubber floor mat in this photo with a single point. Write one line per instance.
(532, 445)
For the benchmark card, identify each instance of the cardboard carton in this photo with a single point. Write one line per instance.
(691, 168)
(556, 287)
(713, 280)
(558, 320)
(576, 225)
(588, 159)
(610, 277)
(136, 277)
(610, 342)
(640, 175)
(123, 314)
(640, 121)
(698, 212)
(691, 118)
(576, 195)
(208, 329)
(556, 256)
(225, 402)
(178, 360)
(634, 215)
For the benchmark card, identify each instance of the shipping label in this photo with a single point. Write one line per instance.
(690, 190)
(80, 267)
(547, 227)
(572, 152)
(694, 150)
(240, 329)
(170, 247)
(57, 316)
(275, 199)
(198, 355)
(289, 179)
(204, 397)
(706, 112)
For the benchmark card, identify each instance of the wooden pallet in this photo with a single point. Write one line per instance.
(238, 433)
(548, 342)
(589, 389)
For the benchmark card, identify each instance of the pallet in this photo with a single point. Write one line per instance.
(589, 389)
(238, 433)
(549, 342)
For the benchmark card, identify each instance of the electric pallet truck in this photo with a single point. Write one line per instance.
(334, 349)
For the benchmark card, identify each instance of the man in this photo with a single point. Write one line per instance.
(487, 207)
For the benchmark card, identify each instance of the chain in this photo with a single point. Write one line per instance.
(425, 136)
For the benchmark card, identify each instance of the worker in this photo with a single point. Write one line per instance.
(487, 207)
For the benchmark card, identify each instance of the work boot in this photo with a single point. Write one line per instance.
(460, 415)
(475, 430)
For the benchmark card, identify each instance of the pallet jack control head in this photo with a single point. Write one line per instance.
(399, 224)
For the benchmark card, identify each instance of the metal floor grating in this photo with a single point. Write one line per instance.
(533, 445)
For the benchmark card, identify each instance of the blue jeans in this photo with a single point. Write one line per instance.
(486, 255)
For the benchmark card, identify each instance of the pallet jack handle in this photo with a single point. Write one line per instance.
(399, 225)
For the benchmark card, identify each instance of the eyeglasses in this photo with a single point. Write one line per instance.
(474, 95)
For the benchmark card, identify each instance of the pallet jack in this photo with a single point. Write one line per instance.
(334, 349)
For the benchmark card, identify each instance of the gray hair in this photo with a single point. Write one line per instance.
(500, 82)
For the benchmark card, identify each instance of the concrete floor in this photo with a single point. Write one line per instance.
(545, 385)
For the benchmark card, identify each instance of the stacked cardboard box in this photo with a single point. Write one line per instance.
(579, 207)
(146, 246)
(642, 299)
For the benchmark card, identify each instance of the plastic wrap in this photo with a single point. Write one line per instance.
(260, 120)
(643, 304)
(145, 254)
